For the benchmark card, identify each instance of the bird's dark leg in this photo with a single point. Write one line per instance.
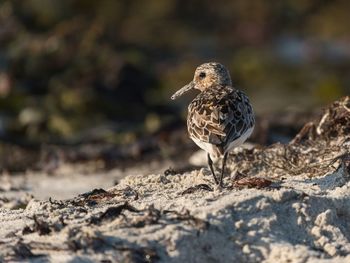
(210, 163)
(223, 168)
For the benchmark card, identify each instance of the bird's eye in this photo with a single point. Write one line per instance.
(202, 75)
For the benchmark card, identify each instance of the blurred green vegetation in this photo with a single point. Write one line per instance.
(83, 69)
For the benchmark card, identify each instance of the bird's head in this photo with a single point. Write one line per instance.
(205, 76)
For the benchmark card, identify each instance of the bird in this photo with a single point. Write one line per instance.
(220, 117)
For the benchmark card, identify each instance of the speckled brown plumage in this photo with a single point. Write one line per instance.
(220, 117)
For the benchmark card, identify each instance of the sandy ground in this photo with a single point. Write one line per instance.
(167, 219)
(70, 180)
(282, 203)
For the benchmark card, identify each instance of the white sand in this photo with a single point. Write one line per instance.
(297, 220)
(303, 216)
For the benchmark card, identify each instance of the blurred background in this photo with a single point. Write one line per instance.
(88, 80)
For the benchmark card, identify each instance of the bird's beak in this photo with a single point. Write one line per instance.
(183, 90)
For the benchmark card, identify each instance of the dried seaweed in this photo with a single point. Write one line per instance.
(95, 192)
(113, 212)
(309, 153)
(27, 230)
(126, 193)
(93, 197)
(170, 171)
(59, 204)
(164, 180)
(42, 227)
(308, 132)
(152, 216)
(186, 217)
(198, 187)
(254, 182)
(97, 242)
(344, 163)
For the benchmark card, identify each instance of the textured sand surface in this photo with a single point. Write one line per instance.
(149, 218)
(288, 203)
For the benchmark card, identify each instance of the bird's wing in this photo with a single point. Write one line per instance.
(220, 118)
